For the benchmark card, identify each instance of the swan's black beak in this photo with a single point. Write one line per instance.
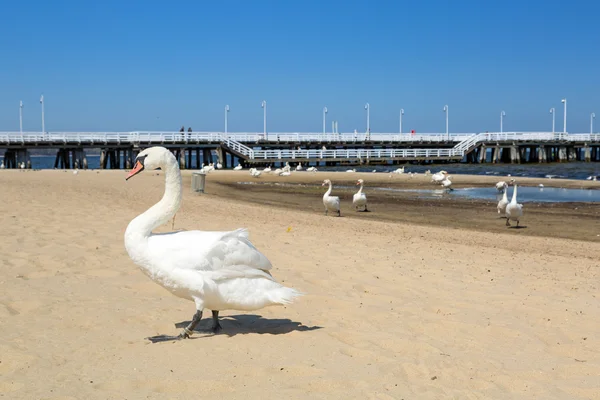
(139, 167)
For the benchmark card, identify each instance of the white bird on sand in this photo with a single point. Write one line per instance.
(267, 169)
(254, 172)
(360, 199)
(330, 202)
(351, 170)
(427, 173)
(311, 169)
(75, 172)
(22, 165)
(299, 167)
(2, 165)
(219, 165)
(238, 167)
(438, 177)
(399, 171)
(277, 171)
(216, 270)
(503, 202)
(285, 173)
(514, 211)
(447, 183)
(592, 178)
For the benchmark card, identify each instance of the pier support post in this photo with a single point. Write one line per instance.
(587, 153)
(572, 154)
(515, 157)
(482, 154)
(562, 154)
(542, 155)
(495, 154)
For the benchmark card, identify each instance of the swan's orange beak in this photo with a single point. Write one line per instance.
(136, 170)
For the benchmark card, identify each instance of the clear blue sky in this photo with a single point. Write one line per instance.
(149, 65)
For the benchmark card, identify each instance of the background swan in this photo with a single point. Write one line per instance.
(514, 211)
(503, 202)
(360, 199)
(299, 167)
(447, 183)
(438, 177)
(238, 167)
(330, 202)
(216, 270)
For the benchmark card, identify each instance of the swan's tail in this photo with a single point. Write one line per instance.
(284, 295)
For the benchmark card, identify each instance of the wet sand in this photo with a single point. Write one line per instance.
(393, 309)
(302, 192)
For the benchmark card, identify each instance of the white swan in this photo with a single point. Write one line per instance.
(285, 173)
(360, 199)
(447, 183)
(299, 167)
(503, 202)
(267, 169)
(514, 211)
(501, 186)
(216, 270)
(254, 172)
(351, 170)
(311, 169)
(330, 202)
(219, 165)
(277, 171)
(2, 165)
(438, 177)
(399, 171)
(238, 167)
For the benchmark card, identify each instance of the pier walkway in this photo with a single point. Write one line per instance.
(255, 148)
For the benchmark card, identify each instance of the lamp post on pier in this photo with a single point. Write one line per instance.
(324, 118)
(502, 115)
(553, 112)
(592, 116)
(368, 108)
(226, 114)
(447, 132)
(565, 116)
(401, 114)
(43, 122)
(21, 117)
(264, 106)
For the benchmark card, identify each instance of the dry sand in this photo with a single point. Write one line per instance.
(394, 309)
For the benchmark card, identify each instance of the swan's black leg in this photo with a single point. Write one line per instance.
(339, 213)
(517, 223)
(216, 327)
(366, 208)
(507, 223)
(189, 330)
(326, 210)
(186, 333)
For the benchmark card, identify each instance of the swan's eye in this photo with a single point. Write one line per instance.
(141, 159)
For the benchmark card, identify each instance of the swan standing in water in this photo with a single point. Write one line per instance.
(330, 202)
(216, 270)
(503, 202)
(514, 211)
(360, 199)
(447, 183)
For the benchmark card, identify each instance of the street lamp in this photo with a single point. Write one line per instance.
(368, 108)
(43, 123)
(226, 113)
(446, 111)
(264, 106)
(401, 114)
(565, 117)
(324, 112)
(553, 112)
(592, 116)
(502, 115)
(21, 117)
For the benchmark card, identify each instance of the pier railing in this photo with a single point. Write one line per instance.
(235, 142)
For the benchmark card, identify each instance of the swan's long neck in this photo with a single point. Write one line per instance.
(165, 209)
(514, 196)
(328, 192)
(505, 195)
(360, 190)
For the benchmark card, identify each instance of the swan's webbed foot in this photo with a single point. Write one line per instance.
(366, 209)
(216, 327)
(507, 222)
(186, 333)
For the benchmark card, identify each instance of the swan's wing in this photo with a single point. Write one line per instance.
(209, 251)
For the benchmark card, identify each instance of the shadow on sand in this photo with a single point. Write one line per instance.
(240, 325)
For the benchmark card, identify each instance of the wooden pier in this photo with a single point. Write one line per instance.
(119, 149)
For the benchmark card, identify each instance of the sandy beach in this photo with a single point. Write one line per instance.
(414, 300)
